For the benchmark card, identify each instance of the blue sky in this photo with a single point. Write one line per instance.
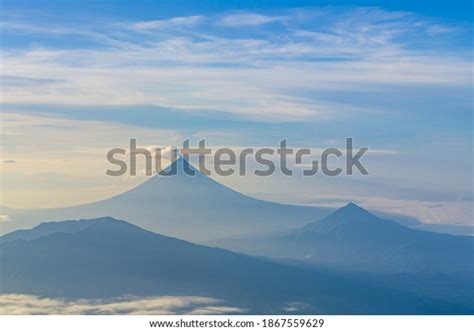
(79, 77)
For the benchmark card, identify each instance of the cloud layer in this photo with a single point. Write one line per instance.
(18, 304)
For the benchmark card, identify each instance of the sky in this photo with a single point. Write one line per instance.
(81, 77)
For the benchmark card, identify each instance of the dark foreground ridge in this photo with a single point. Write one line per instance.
(106, 258)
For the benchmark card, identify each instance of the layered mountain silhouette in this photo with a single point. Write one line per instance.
(360, 244)
(354, 239)
(106, 258)
(195, 208)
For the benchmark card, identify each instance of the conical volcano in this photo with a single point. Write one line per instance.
(192, 207)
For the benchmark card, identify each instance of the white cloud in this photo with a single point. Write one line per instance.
(296, 306)
(186, 21)
(247, 19)
(430, 212)
(5, 218)
(18, 304)
(269, 77)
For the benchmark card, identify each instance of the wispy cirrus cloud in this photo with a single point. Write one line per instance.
(188, 63)
(236, 20)
(175, 22)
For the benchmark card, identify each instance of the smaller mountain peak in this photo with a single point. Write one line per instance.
(349, 215)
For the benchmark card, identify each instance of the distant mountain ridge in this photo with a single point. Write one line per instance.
(48, 228)
(106, 258)
(195, 208)
(355, 239)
